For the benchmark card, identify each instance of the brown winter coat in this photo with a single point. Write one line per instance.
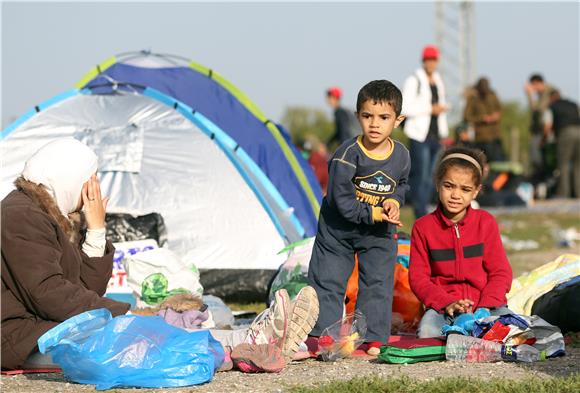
(46, 278)
(477, 107)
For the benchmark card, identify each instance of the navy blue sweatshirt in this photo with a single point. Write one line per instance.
(359, 181)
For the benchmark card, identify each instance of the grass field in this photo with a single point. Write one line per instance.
(447, 385)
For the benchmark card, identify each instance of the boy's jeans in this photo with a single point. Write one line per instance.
(433, 321)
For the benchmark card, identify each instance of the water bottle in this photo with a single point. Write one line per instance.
(462, 348)
(475, 350)
(522, 353)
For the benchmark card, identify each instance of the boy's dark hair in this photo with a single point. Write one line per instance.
(380, 91)
(536, 78)
(444, 164)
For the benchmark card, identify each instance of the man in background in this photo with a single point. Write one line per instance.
(538, 93)
(563, 120)
(424, 105)
(344, 121)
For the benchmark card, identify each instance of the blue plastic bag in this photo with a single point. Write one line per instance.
(131, 351)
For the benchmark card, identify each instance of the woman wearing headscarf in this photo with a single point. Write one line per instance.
(56, 262)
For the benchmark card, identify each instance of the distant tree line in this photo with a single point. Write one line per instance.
(304, 121)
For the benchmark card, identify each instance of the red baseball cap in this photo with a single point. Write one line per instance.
(334, 91)
(430, 52)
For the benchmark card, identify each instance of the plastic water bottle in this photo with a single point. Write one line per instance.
(475, 350)
(522, 353)
(462, 348)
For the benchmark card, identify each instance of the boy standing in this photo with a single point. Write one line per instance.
(367, 185)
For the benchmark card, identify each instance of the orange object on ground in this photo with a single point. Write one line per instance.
(500, 181)
(352, 289)
(407, 309)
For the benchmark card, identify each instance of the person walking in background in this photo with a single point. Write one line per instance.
(563, 121)
(343, 120)
(538, 93)
(317, 155)
(483, 112)
(424, 106)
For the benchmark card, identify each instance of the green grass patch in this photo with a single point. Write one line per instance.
(541, 227)
(446, 385)
(407, 218)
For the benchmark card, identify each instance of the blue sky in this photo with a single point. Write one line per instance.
(279, 54)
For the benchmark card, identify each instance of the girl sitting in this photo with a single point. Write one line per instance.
(458, 263)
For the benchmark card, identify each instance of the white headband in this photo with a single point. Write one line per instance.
(465, 157)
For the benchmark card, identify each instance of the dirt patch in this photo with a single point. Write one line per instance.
(312, 372)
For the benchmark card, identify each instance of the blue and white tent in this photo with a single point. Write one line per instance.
(158, 155)
(207, 92)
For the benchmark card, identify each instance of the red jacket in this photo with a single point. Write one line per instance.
(466, 260)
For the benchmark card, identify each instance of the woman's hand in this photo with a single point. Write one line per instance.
(94, 205)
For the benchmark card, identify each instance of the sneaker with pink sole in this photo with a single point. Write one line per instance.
(257, 358)
(303, 317)
(271, 326)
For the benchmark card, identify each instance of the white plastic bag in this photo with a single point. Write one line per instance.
(157, 274)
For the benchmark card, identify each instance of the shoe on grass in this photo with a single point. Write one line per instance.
(227, 365)
(271, 326)
(258, 358)
(302, 318)
(374, 348)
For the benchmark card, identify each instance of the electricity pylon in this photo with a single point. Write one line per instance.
(455, 37)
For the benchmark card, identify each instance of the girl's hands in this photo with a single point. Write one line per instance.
(461, 306)
(94, 205)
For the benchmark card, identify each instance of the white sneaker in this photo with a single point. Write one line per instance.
(271, 326)
(303, 317)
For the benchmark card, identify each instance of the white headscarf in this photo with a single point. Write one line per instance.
(62, 166)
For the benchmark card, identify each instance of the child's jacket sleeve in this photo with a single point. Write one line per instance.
(431, 295)
(497, 266)
(342, 194)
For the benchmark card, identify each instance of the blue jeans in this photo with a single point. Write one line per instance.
(433, 321)
(423, 157)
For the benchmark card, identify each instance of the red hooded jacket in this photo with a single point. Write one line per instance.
(450, 262)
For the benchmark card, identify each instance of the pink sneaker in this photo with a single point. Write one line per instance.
(227, 365)
(251, 358)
